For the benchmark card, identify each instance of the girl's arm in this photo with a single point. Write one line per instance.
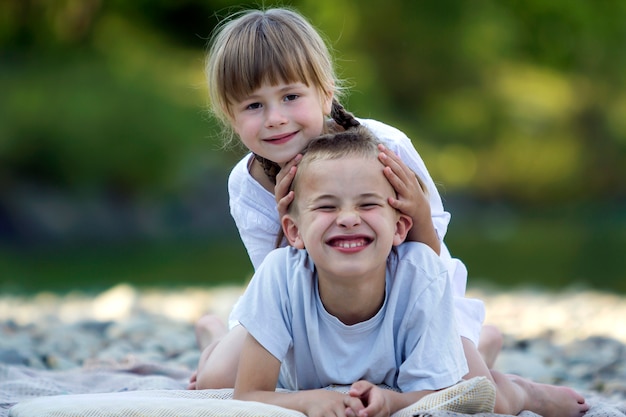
(411, 199)
(256, 381)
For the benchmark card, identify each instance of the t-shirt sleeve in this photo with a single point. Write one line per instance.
(264, 309)
(434, 356)
(254, 211)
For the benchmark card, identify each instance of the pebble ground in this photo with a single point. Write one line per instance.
(574, 338)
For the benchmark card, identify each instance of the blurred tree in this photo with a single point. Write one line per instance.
(103, 127)
(517, 95)
(522, 100)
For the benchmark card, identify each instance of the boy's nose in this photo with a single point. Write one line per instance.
(348, 218)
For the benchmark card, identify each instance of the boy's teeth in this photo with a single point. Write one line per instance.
(351, 244)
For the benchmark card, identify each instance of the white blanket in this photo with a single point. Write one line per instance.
(155, 390)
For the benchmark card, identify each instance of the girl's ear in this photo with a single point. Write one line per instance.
(403, 225)
(292, 233)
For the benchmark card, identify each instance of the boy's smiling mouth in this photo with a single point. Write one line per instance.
(349, 242)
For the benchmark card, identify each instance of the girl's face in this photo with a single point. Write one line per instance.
(276, 122)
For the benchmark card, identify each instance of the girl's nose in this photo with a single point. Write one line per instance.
(348, 218)
(274, 116)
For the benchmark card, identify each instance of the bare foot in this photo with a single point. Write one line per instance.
(193, 381)
(551, 400)
(209, 328)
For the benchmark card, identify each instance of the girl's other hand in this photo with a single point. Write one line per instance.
(411, 199)
(283, 182)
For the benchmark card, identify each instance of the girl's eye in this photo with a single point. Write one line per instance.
(291, 97)
(369, 206)
(253, 106)
(325, 208)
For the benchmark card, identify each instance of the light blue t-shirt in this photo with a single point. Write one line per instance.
(254, 210)
(411, 344)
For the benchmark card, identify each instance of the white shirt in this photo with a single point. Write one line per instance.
(411, 343)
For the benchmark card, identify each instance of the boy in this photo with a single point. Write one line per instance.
(347, 302)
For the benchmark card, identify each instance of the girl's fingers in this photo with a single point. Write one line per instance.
(283, 182)
(395, 181)
(295, 161)
(391, 160)
(283, 204)
(285, 177)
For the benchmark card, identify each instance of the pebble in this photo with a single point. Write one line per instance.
(571, 338)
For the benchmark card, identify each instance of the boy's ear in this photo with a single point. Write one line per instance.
(403, 225)
(292, 233)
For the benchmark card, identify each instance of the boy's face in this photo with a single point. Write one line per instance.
(276, 122)
(343, 217)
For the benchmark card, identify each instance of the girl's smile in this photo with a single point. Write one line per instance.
(280, 139)
(277, 121)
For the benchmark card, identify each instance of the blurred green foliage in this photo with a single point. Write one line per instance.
(96, 268)
(522, 102)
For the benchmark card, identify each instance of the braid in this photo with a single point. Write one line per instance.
(342, 117)
(270, 168)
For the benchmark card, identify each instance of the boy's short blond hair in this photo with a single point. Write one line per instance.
(356, 142)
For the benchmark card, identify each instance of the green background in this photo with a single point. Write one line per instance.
(111, 169)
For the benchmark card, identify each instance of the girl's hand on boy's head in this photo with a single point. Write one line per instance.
(410, 199)
(283, 182)
(367, 399)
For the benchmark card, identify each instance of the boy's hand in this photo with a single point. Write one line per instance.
(327, 403)
(367, 400)
(285, 177)
(411, 198)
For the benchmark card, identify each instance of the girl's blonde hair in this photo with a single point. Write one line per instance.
(270, 46)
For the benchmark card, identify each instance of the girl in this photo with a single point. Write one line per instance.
(272, 83)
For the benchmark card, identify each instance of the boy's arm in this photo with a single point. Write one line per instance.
(256, 381)
(411, 199)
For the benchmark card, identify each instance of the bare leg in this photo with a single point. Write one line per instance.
(209, 328)
(515, 394)
(217, 367)
(490, 344)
